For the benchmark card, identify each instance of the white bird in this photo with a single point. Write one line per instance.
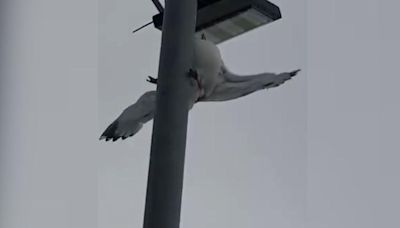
(212, 82)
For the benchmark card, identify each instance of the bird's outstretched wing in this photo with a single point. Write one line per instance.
(235, 86)
(132, 118)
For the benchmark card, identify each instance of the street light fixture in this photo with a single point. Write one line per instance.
(221, 20)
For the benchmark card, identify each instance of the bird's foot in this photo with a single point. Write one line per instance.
(191, 73)
(152, 80)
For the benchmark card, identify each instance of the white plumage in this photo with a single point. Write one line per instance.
(214, 82)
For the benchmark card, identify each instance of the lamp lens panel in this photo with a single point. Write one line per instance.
(241, 23)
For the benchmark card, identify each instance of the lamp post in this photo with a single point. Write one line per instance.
(165, 180)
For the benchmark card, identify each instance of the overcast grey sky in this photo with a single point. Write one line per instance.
(319, 151)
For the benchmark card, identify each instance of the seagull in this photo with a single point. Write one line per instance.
(211, 81)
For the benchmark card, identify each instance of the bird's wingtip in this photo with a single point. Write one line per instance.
(110, 132)
(295, 72)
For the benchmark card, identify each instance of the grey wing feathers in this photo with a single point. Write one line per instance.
(235, 86)
(270, 79)
(132, 118)
(279, 79)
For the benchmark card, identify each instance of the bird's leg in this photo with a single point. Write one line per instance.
(193, 74)
(152, 80)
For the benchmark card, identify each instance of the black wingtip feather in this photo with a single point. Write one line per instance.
(294, 73)
(110, 133)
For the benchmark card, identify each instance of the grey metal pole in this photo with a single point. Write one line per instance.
(165, 180)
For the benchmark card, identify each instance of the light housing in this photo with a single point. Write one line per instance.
(221, 20)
